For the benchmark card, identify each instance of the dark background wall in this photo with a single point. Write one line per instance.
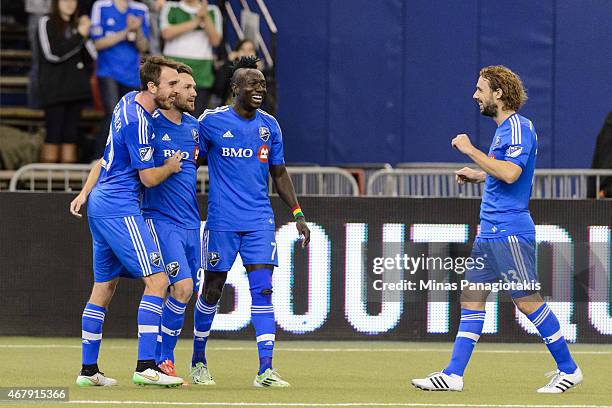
(45, 255)
(391, 80)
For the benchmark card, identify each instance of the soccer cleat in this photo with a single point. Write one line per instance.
(167, 368)
(200, 375)
(270, 378)
(439, 382)
(96, 380)
(155, 377)
(561, 382)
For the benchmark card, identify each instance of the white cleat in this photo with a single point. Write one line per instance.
(154, 377)
(439, 382)
(200, 375)
(270, 378)
(561, 382)
(96, 380)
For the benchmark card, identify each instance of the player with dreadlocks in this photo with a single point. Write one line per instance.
(244, 145)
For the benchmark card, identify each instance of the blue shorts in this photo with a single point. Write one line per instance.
(508, 259)
(123, 247)
(255, 247)
(181, 251)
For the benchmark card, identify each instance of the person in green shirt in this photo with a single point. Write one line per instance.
(190, 29)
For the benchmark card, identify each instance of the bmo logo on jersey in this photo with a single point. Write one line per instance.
(170, 153)
(232, 152)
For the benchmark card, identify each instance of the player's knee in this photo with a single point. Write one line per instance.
(212, 295)
(182, 290)
(156, 284)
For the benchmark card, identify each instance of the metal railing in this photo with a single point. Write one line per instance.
(71, 177)
(440, 182)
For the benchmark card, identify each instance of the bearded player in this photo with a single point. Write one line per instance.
(507, 234)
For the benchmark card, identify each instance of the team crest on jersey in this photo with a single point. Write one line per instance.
(514, 151)
(213, 258)
(172, 269)
(155, 258)
(264, 133)
(195, 135)
(497, 142)
(146, 153)
(262, 153)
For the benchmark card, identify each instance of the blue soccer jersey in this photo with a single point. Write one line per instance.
(174, 200)
(122, 60)
(504, 210)
(240, 153)
(128, 150)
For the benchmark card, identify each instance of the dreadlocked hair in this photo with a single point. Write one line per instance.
(249, 62)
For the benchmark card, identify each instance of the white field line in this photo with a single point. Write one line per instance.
(312, 349)
(323, 404)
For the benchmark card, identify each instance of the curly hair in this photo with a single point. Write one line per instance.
(513, 91)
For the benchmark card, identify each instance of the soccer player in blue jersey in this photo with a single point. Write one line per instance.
(506, 241)
(172, 213)
(244, 146)
(122, 243)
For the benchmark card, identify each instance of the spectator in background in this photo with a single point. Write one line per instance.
(120, 30)
(155, 7)
(602, 159)
(222, 88)
(191, 28)
(35, 9)
(65, 66)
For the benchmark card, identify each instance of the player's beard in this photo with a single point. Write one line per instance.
(165, 102)
(489, 110)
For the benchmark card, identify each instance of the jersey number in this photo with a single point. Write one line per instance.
(273, 250)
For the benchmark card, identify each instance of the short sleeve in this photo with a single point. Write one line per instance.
(97, 25)
(205, 137)
(520, 143)
(277, 155)
(138, 140)
(163, 16)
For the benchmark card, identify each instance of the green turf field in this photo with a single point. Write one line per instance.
(323, 374)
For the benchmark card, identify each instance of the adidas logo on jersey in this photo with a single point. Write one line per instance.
(228, 134)
(166, 138)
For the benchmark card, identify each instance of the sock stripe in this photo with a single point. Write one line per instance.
(90, 336)
(468, 335)
(543, 315)
(153, 305)
(149, 309)
(266, 337)
(201, 334)
(95, 317)
(145, 328)
(205, 308)
(94, 312)
(171, 332)
(553, 338)
(477, 318)
(174, 307)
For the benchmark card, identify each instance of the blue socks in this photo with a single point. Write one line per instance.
(547, 324)
(203, 315)
(468, 334)
(262, 315)
(91, 333)
(173, 316)
(149, 318)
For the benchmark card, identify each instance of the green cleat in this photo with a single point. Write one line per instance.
(200, 375)
(270, 378)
